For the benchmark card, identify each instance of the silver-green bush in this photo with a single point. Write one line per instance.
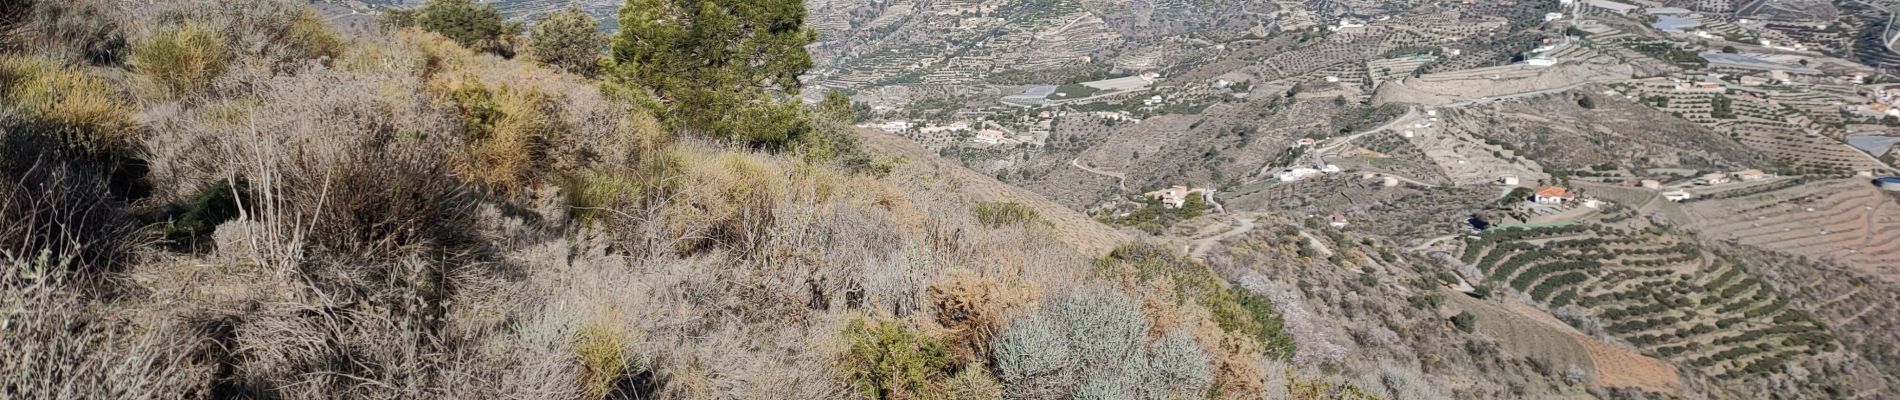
(1092, 343)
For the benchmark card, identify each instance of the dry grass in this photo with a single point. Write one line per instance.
(53, 209)
(65, 103)
(68, 31)
(60, 345)
(184, 58)
(406, 235)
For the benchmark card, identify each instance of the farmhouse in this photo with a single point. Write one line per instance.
(1551, 195)
(1713, 178)
(989, 136)
(1174, 197)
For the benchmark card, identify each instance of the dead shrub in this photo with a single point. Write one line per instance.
(68, 31)
(974, 309)
(61, 346)
(60, 210)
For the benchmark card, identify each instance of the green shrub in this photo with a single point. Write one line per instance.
(508, 129)
(211, 205)
(1093, 343)
(1464, 321)
(184, 58)
(477, 26)
(719, 68)
(1032, 356)
(1234, 309)
(887, 361)
(569, 40)
(1181, 368)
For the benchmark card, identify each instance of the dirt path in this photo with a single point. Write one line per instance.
(1317, 244)
(1121, 180)
(1200, 246)
(1429, 242)
(1410, 112)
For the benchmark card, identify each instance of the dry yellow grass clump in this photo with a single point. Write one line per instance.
(65, 101)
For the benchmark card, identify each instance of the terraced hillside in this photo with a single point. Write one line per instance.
(1559, 133)
(1839, 220)
(1670, 298)
(1778, 123)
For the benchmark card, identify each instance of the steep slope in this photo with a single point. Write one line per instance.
(926, 173)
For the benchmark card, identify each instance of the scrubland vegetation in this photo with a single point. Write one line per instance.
(228, 199)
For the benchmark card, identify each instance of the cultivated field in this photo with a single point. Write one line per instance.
(1844, 220)
(1524, 329)
(1670, 298)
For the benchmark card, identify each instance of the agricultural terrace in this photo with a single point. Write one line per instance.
(1842, 220)
(1670, 298)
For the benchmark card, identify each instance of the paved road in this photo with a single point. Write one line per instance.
(1120, 179)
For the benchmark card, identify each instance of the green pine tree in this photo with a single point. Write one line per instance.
(721, 68)
(570, 40)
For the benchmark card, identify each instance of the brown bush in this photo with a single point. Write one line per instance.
(974, 309)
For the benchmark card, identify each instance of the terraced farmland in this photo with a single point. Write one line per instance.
(1670, 298)
(1788, 126)
(1842, 220)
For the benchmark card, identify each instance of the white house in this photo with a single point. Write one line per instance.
(988, 136)
(1176, 196)
(1677, 196)
(1296, 174)
(1551, 195)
